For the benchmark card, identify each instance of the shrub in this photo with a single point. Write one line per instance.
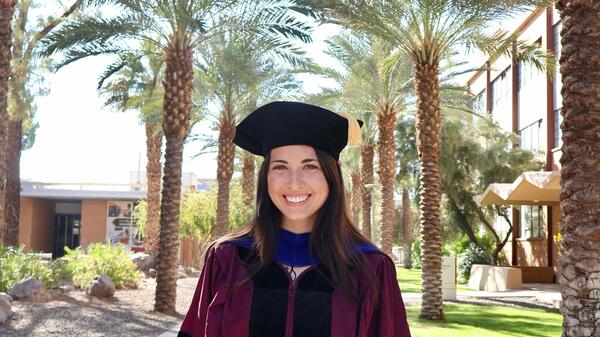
(16, 265)
(415, 251)
(99, 258)
(472, 255)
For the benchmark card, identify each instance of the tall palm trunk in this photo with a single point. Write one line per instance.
(356, 195)
(14, 141)
(177, 108)
(154, 136)
(407, 229)
(386, 148)
(248, 176)
(7, 8)
(428, 122)
(224, 169)
(580, 187)
(367, 152)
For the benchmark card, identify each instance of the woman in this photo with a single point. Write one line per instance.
(300, 268)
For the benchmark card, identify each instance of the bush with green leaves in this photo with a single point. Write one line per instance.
(415, 251)
(16, 265)
(470, 256)
(102, 258)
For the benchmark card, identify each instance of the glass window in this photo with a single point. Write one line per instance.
(557, 87)
(530, 136)
(531, 223)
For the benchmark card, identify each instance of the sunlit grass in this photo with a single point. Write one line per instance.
(466, 320)
(410, 281)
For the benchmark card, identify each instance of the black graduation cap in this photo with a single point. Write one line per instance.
(292, 123)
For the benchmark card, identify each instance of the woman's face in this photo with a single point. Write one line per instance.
(297, 186)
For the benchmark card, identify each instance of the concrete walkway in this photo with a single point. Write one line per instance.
(547, 293)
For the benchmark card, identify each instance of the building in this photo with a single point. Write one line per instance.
(527, 102)
(54, 215)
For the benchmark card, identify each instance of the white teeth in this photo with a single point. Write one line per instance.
(296, 199)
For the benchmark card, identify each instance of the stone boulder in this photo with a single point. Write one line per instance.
(102, 286)
(143, 262)
(5, 308)
(25, 288)
(6, 297)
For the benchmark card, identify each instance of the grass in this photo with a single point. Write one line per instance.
(466, 320)
(410, 281)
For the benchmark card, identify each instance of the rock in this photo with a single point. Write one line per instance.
(7, 297)
(143, 262)
(102, 286)
(5, 308)
(25, 288)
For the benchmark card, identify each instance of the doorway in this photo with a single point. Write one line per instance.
(67, 229)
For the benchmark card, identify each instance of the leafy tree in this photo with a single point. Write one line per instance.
(7, 8)
(26, 71)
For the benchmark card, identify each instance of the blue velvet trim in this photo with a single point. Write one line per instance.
(293, 249)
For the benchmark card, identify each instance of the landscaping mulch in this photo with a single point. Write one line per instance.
(73, 313)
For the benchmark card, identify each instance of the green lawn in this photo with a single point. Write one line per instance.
(467, 320)
(410, 281)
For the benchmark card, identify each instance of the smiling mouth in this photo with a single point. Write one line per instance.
(297, 199)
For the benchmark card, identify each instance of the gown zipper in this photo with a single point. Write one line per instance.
(293, 286)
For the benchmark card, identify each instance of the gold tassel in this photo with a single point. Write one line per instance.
(353, 129)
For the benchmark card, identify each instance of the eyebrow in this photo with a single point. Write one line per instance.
(285, 162)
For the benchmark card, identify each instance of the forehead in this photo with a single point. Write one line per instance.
(291, 152)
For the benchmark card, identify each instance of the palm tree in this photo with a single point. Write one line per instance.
(580, 215)
(248, 178)
(181, 25)
(137, 87)
(7, 8)
(241, 72)
(427, 31)
(378, 89)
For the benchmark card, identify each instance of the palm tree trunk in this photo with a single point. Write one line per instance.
(248, 173)
(407, 228)
(428, 122)
(367, 152)
(154, 136)
(7, 8)
(386, 122)
(356, 194)
(580, 187)
(14, 141)
(177, 108)
(224, 170)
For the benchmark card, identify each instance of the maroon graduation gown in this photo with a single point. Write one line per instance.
(272, 305)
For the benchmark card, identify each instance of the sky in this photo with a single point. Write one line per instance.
(80, 141)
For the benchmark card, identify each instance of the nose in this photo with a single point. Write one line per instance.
(296, 179)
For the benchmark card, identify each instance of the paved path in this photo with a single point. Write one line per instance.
(547, 293)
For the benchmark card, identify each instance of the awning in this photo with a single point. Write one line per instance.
(530, 188)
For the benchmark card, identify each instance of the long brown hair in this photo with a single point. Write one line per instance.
(334, 237)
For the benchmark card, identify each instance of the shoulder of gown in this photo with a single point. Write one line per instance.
(385, 315)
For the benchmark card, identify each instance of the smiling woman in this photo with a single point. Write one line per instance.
(300, 268)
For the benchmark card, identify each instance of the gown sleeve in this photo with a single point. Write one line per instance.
(194, 322)
(389, 315)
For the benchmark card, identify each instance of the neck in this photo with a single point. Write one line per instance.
(297, 226)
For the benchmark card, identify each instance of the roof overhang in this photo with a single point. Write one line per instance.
(530, 188)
